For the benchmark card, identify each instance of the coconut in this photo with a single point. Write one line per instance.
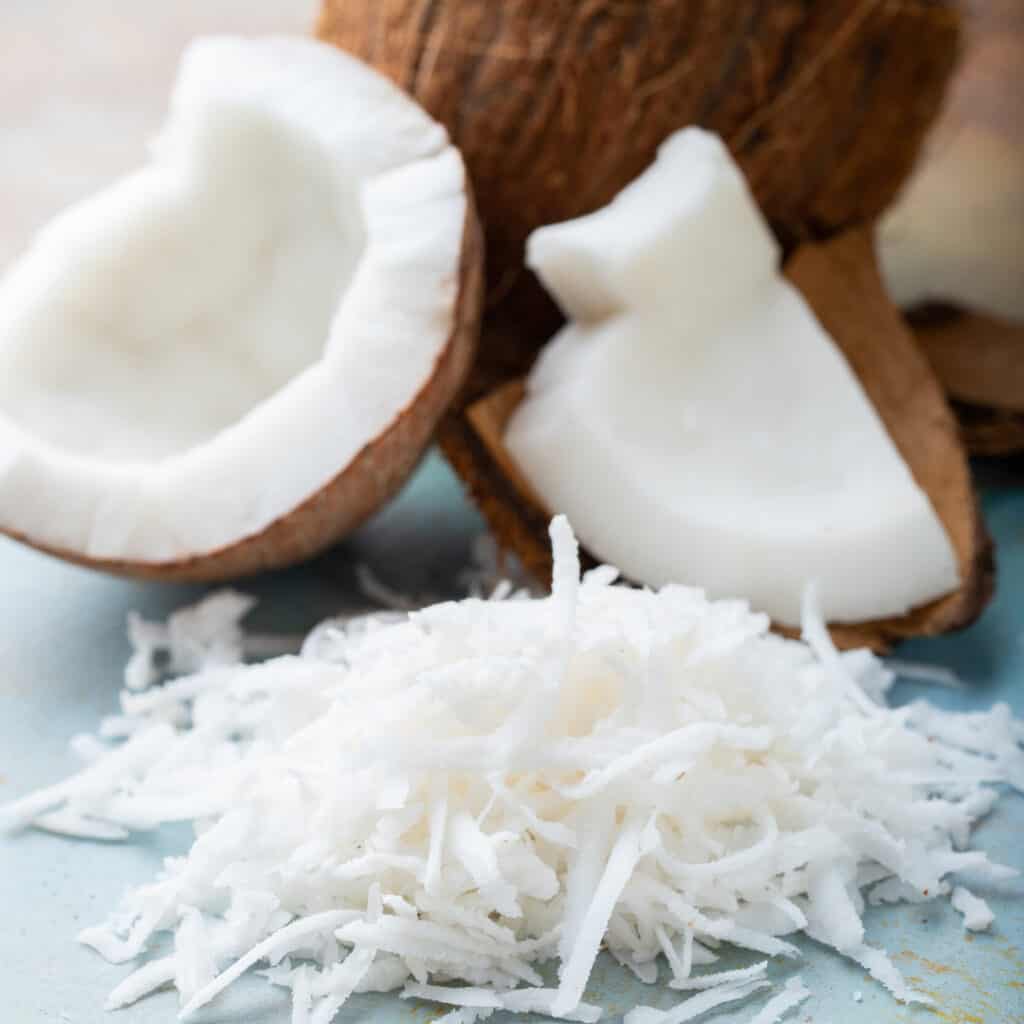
(229, 359)
(950, 246)
(557, 105)
(980, 360)
(704, 419)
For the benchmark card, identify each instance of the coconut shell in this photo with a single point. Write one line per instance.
(990, 432)
(366, 483)
(557, 104)
(841, 283)
(978, 359)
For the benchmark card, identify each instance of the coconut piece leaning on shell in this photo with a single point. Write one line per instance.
(698, 424)
(952, 246)
(229, 359)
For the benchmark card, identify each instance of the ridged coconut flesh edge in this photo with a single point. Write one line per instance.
(840, 282)
(556, 105)
(370, 477)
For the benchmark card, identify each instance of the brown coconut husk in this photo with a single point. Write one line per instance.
(558, 104)
(841, 283)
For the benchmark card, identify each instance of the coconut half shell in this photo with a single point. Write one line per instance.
(225, 362)
(373, 477)
(840, 281)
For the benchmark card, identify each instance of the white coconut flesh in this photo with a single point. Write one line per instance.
(697, 423)
(190, 354)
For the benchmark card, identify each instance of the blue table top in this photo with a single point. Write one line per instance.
(62, 653)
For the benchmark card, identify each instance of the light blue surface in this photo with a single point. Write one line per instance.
(62, 651)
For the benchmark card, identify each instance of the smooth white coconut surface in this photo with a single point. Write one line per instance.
(697, 423)
(191, 353)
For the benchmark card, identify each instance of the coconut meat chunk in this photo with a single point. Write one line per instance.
(696, 422)
(192, 353)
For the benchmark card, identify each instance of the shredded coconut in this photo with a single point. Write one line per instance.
(694, 1007)
(918, 671)
(435, 803)
(976, 912)
(792, 995)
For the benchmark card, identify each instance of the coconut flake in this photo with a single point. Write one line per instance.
(922, 672)
(77, 826)
(576, 969)
(882, 969)
(522, 1000)
(976, 913)
(287, 939)
(148, 978)
(792, 995)
(705, 981)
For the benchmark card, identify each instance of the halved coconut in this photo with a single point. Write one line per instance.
(698, 422)
(230, 358)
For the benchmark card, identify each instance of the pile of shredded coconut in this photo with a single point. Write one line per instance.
(435, 803)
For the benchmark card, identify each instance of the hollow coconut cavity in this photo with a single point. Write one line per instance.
(230, 357)
(697, 422)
